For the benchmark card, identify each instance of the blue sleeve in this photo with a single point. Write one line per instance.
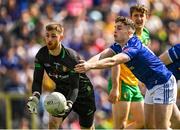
(133, 47)
(131, 51)
(116, 48)
(174, 52)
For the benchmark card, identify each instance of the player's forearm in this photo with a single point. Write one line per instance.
(165, 58)
(36, 87)
(104, 54)
(74, 84)
(104, 63)
(115, 71)
(109, 62)
(73, 95)
(37, 81)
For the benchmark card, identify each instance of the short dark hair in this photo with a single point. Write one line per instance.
(125, 21)
(141, 8)
(54, 26)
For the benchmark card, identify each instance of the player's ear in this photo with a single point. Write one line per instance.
(130, 31)
(148, 16)
(62, 36)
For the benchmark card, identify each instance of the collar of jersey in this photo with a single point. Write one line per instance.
(132, 39)
(62, 53)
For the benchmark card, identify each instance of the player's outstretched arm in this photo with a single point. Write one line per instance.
(102, 64)
(164, 57)
(83, 67)
(104, 54)
(172, 55)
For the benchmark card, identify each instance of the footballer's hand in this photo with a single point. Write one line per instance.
(142, 88)
(66, 110)
(68, 106)
(33, 103)
(114, 95)
(82, 67)
(60, 114)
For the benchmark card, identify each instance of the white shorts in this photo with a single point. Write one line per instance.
(163, 93)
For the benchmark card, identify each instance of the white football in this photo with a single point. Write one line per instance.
(55, 103)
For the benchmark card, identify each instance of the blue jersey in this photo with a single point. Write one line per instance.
(174, 67)
(144, 64)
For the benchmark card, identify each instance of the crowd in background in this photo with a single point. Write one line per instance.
(89, 27)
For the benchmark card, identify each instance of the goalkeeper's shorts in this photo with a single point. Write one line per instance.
(84, 105)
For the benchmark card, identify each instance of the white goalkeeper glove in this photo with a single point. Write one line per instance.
(68, 106)
(67, 109)
(33, 103)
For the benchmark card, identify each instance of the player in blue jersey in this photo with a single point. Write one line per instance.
(172, 60)
(128, 111)
(161, 84)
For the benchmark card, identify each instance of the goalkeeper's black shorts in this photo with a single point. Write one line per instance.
(84, 105)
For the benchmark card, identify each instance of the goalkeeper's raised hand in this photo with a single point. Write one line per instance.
(33, 102)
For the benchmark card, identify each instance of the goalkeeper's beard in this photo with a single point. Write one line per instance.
(52, 46)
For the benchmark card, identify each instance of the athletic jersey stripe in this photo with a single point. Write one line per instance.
(170, 58)
(175, 53)
(37, 65)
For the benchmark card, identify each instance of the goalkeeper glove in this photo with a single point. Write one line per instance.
(67, 109)
(68, 106)
(33, 102)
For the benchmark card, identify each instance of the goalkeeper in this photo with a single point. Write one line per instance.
(59, 62)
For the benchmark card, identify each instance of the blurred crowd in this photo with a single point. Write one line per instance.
(89, 26)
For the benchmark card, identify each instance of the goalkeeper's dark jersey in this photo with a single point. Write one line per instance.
(75, 86)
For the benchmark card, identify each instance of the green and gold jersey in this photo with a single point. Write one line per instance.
(145, 37)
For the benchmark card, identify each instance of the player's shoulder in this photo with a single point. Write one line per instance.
(42, 51)
(177, 46)
(134, 42)
(175, 50)
(69, 50)
(116, 48)
(72, 53)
